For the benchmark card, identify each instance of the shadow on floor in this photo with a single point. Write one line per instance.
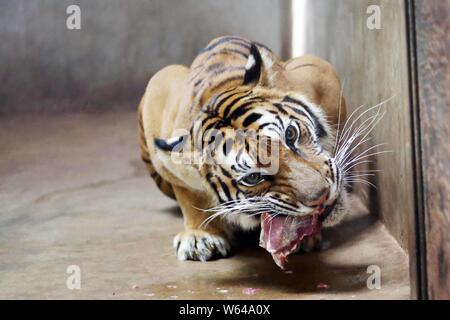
(308, 270)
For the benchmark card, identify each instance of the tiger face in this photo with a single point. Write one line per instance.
(263, 151)
(276, 157)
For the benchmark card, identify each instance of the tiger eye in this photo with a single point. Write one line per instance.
(253, 178)
(291, 134)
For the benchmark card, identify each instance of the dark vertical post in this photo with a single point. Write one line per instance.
(428, 26)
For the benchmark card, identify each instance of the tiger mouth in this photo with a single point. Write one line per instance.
(327, 211)
(282, 234)
(322, 212)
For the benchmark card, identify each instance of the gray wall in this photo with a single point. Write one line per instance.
(374, 66)
(106, 64)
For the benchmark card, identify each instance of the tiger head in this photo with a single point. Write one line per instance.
(255, 149)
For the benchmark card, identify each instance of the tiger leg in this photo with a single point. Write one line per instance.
(162, 184)
(199, 241)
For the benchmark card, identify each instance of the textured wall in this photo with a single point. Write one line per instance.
(373, 64)
(45, 67)
(432, 80)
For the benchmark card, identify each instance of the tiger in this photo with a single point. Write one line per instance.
(239, 84)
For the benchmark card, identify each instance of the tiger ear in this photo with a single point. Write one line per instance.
(253, 67)
(174, 144)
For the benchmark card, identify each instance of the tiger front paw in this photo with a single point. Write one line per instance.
(200, 245)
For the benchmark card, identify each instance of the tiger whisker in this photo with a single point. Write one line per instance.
(347, 169)
(360, 175)
(362, 153)
(366, 156)
(346, 129)
(339, 115)
(362, 181)
(349, 136)
(369, 129)
(362, 129)
(235, 206)
(350, 146)
(366, 171)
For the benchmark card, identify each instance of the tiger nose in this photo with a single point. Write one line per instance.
(321, 197)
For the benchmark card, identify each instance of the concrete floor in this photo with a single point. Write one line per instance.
(74, 192)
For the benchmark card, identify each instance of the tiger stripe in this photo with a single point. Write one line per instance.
(162, 184)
